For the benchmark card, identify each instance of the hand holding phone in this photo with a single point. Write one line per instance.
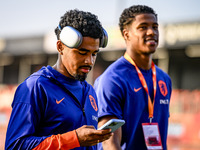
(113, 124)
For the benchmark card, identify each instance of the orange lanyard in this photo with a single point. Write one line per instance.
(144, 84)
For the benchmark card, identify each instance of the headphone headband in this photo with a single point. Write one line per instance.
(59, 27)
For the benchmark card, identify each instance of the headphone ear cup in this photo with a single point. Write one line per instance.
(104, 39)
(71, 37)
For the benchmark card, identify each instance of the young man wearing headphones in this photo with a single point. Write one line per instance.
(55, 108)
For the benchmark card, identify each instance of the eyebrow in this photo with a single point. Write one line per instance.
(144, 23)
(83, 49)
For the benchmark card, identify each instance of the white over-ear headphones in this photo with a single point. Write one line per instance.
(72, 38)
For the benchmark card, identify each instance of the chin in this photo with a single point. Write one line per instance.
(148, 52)
(80, 77)
(152, 50)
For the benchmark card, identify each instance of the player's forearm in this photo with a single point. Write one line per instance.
(114, 143)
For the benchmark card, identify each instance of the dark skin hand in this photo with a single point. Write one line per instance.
(89, 136)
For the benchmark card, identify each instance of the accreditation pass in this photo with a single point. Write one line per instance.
(152, 136)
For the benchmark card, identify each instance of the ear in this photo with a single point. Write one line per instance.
(126, 34)
(60, 47)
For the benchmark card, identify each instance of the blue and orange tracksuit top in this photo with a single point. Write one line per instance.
(46, 110)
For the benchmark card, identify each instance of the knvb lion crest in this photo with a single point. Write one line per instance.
(163, 87)
(93, 102)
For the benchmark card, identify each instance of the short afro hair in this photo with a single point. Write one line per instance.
(85, 22)
(128, 15)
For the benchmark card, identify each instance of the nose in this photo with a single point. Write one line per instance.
(89, 60)
(151, 31)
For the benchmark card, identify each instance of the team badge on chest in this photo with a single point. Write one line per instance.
(93, 102)
(163, 87)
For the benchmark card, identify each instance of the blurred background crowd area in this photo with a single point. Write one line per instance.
(178, 55)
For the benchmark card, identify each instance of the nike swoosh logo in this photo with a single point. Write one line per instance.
(136, 90)
(58, 102)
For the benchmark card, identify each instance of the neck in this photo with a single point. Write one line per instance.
(142, 61)
(60, 68)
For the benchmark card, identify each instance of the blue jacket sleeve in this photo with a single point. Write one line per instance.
(21, 128)
(27, 108)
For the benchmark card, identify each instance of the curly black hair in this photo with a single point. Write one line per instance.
(129, 14)
(85, 22)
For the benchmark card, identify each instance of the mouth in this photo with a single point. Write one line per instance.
(151, 42)
(85, 69)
